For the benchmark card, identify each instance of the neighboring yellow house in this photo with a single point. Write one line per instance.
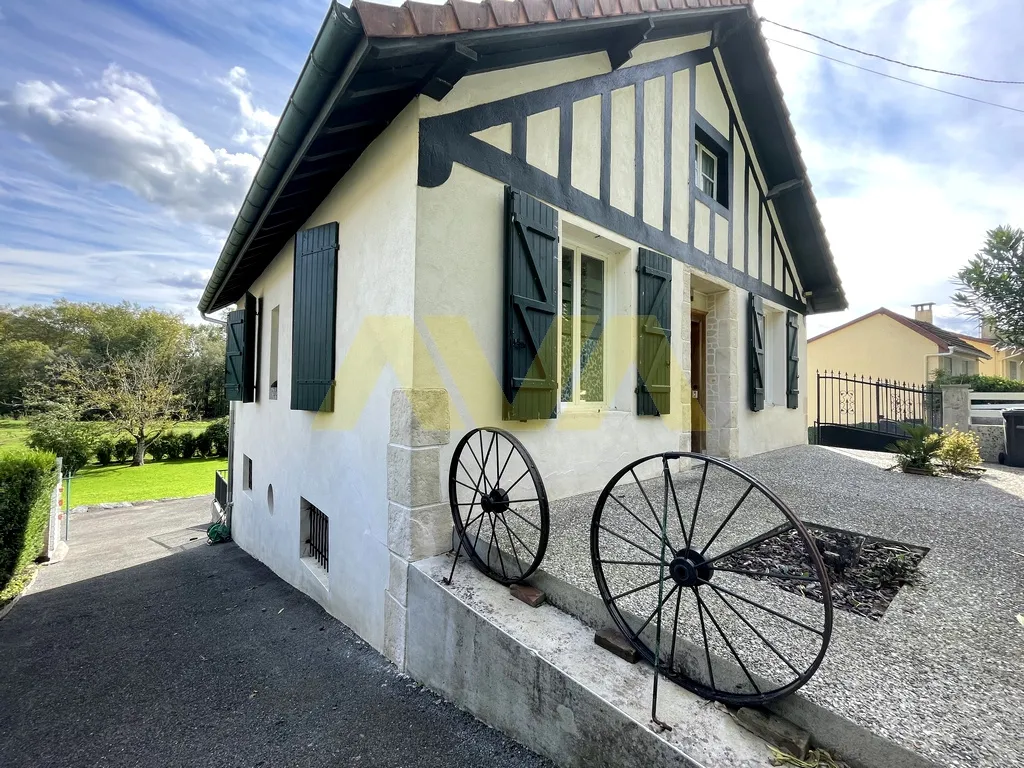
(886, 345)
(1008, 363)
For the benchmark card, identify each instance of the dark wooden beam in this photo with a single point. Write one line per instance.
(781, 189)
(451, 69)
(620, 51)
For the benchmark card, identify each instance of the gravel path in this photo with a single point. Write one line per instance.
(144, 649)
(943, 672)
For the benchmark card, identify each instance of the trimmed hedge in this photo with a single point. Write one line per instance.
(26, 480)
(981, 383)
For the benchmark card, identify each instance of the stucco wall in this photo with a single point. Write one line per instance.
(337, 461)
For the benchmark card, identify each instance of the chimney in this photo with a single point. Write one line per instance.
(924, 312)
(988, 329)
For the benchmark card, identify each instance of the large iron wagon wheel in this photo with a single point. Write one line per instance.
(697, 559)
(499, 505)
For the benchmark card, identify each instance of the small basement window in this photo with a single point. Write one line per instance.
(315, 536)
(246, 473)
(711, 167)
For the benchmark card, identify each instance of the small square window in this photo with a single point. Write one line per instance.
(315, 536)
(707, 170)
(246, 473)
(710, 167)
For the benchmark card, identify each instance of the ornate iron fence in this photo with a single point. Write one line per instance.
(866, 413)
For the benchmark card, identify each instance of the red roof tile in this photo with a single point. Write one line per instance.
(414, 19)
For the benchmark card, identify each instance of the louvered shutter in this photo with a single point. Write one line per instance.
(234, 367)
(314, 318)
(529, 379)
(755, 315)
(249, 350)
(792, 360)
(654, 323)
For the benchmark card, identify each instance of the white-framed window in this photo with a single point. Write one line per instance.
(1013, 370)
(775, 357)
(706, 171)
(275, 329)
(582, 362)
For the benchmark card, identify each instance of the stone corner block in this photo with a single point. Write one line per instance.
(394, 631)
(398, 578)
(420, 417)
(415, 533)
(414, 475)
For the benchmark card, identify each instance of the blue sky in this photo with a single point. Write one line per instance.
(129, 130)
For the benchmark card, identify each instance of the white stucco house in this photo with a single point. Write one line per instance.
(584, 221)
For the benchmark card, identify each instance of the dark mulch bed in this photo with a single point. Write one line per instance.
(865, 572)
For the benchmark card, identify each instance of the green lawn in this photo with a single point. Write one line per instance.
(13, 433)
(155, 480)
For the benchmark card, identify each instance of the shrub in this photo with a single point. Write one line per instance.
(104, 452)
(26, 481)
(188, 445)
(124, 450)
(960, 451)
(217, 431)
(918, 451)
(981, 383)
(204, 446)
(57, 431)
(172, 445)
(158, 449)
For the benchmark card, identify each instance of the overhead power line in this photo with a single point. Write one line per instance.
(891, 61)
(893, 77)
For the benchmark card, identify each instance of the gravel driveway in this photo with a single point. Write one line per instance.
(145, 648)
(943, 672)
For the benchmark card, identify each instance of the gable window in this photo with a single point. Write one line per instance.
(706, 172)
(582, 322)
(711, 166)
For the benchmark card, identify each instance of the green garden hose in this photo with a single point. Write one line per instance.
(218, 533)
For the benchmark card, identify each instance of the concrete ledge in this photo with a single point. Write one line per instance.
(536, 674)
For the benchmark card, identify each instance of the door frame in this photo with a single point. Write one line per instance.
(699, 351)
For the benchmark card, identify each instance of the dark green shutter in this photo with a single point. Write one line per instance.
(529, 380)
(314, 308)
(234, 368)
(258, 355)
(239, 364)
(654, 323)
(792, 360)
(755, 316)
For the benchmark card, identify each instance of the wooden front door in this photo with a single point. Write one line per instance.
(698, 382)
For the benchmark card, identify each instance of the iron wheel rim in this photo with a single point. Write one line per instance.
(497, 503)
(628, 628)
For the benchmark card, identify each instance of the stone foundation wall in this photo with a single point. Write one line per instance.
(723, 338)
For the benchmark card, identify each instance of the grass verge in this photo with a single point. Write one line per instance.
(155, 480)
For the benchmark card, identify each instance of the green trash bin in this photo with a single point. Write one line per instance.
(1014, 431)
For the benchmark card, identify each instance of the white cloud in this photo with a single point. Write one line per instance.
(257, 124)
(122, 133)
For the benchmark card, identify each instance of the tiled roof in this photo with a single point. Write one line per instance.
(413, 19)
(943, 339)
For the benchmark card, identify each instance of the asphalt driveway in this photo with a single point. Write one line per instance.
(146, 647)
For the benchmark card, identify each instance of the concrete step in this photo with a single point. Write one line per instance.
(537, 675)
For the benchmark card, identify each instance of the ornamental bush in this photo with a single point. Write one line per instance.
(58, 431)
(204, 446)
(26, 480)
(960, 451)
(217, 432)
(981, 383)
(104, 452)
(188, 445)
(124, 450)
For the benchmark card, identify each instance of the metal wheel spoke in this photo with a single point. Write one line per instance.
(478, 465)
(497, 545)
(522, 543)
(762, 607)
(675, 500)
(728, 518)
(696, 506)
(769, 574)
(511, 450)
(777, 531)
(509, 489)
(654, 533)
(656, 610)
(631, 562)
(731, 649)
(528, 522)
(760, 636)
(521, 501)
(647, 499)
(513, 544)
(490, 447)
(467, 485)
(675, 631)
(704, 633)
(630, 541)
(636, 589)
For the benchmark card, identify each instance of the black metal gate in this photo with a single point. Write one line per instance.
(870, 414)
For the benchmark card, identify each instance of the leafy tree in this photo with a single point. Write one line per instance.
(58, 430)
(22, 363)
(992, 285)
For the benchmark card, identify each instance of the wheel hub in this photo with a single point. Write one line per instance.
(495, 501)
(689, 567)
